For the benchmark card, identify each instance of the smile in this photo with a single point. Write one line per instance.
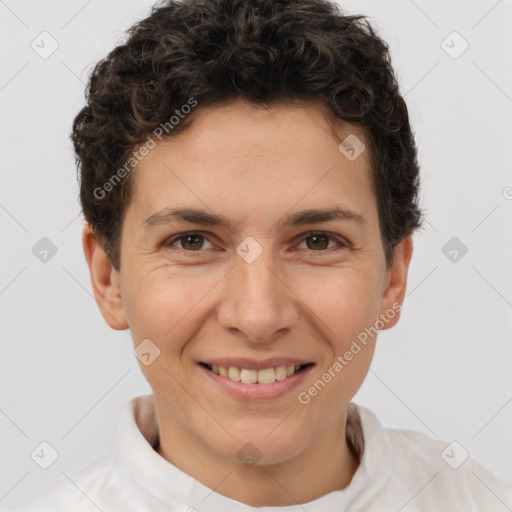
(265, 381)
(251, 376)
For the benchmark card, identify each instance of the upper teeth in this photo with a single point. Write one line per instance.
(265, 376)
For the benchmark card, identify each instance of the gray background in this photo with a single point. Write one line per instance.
(445, 369)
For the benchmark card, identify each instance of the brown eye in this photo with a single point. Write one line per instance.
(315, 242)
(192, 242)
(319, 242)
(189, 242)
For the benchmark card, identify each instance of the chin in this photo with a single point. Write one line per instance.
(255, 448)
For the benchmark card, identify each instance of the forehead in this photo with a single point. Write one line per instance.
(257, 158)
(301, 129)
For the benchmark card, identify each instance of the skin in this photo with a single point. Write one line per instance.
(197, 298)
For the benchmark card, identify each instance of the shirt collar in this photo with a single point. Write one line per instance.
(135, 456)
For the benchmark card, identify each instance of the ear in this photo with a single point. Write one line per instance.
(105, 281)
(396, 284)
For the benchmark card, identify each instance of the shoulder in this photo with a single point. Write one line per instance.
(444, 473)
(80, 492)
(431, 474)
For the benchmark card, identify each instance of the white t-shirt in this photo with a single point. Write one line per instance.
(399, 471)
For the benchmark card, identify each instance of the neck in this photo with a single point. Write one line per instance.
(326, 465)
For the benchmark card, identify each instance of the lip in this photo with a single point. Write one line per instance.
(257, 392)
(254, 364)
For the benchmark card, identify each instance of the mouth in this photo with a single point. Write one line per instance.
(262, 376)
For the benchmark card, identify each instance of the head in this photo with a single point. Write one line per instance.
(251, 112)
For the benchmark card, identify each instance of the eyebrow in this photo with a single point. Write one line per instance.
(202, 217)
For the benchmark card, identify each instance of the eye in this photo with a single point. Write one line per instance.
(194, 241)
(320, 241)
(190, 242)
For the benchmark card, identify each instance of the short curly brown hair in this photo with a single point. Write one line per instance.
(263, 51)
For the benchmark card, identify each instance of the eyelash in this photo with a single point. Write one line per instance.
(343, 243)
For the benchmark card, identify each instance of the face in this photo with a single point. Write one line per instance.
(255, 279)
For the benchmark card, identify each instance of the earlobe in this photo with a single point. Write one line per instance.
(396, 283)
(104, 280)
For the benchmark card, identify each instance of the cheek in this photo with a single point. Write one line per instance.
(346, 302)
(165, 305)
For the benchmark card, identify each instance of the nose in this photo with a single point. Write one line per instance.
(257, 301)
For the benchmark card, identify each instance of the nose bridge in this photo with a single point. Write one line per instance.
(256, 265)
(257, 302)
(259, 280)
